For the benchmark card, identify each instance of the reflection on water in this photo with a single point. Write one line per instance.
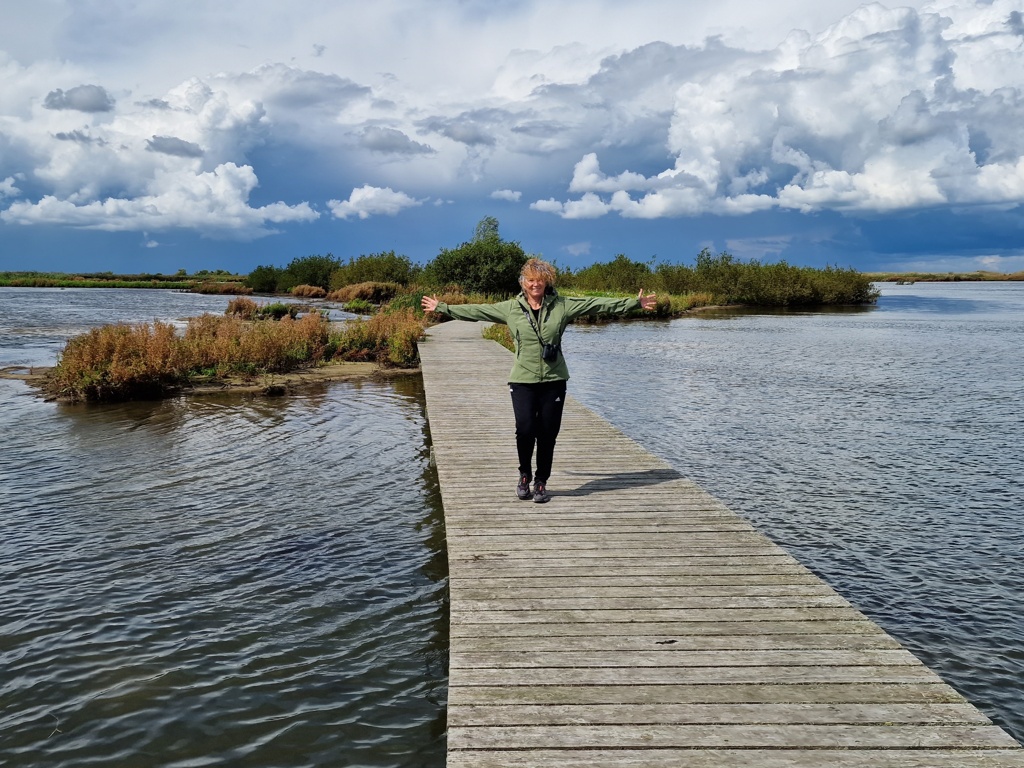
(222, 581)
(881, 447)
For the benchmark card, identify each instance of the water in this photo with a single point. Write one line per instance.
(261, 582)
(882, 447)
(214, 581)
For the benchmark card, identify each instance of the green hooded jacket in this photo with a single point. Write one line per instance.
(555, 314)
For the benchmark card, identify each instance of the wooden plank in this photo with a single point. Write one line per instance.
(874, 713)
(739, 758)
(771, 694)
(746, 736)
(675, 644)
(636, 621)
(744, 657)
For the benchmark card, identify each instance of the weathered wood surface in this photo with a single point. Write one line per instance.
(634, 620)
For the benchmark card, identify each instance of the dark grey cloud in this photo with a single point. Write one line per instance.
(475, 128)
(83, 98)
(170, 145)
(290, 88)
(1015, 23)
(81, 137)
(393, 141)
(540, 129)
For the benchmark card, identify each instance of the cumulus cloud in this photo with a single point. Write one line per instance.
(8, 188)
(878, 113)
(215, 203)
(367, 201)
(391, 140)
(887, 110)
(469, 130)
(83, 98)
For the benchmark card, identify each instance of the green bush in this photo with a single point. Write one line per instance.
(278, 310)
(385, 267)
(307, 270)
(264, 279)
(621, 275)
(485, 264)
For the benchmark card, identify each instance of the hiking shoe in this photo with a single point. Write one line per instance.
(523, 489)
(540, 493)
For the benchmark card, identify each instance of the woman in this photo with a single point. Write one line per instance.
(537, 318)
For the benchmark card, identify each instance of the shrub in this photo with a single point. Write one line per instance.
(247, 309)
(486, 264)
(374, 292)
(359, 307)
(119, 362)
(222, 289)
(264, 279)
(621, 275)
(226, 344)
(308, 270)
(278, 310)
(387, 338)
(308, 291)
(384, 267)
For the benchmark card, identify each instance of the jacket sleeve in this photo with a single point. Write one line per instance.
(492, 313)
(582, 305)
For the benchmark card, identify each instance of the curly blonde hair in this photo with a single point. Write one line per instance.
(535, 269)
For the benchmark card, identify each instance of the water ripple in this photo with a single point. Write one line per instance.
(228, 581)
(881, 448)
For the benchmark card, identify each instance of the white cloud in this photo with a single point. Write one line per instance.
(872, 115)
(367, 201)
(215, 203)
(887, 109)
(578, 249)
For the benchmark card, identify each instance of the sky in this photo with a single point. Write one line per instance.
(156, 136)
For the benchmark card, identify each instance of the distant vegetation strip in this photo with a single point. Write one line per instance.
(201, 282)
(943, 277)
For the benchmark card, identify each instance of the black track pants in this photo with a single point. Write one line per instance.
(538, 410)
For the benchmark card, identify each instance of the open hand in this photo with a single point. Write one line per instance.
(648, 302)
(429, 303)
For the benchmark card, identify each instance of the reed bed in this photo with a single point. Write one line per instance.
(148, 360)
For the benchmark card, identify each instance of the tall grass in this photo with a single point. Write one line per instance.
(120, 362)
(126, 362)
(388, 338)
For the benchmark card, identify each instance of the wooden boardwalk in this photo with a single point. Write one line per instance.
(636, 621)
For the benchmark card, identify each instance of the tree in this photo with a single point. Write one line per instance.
(385, 267)
(486, 264)
(308, 270)
(486, 229)
(263, 279)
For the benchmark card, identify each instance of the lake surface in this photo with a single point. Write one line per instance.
(884, 448)
(226, 580)
(262, 582)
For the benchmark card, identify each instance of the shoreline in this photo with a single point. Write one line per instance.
(270, 384)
